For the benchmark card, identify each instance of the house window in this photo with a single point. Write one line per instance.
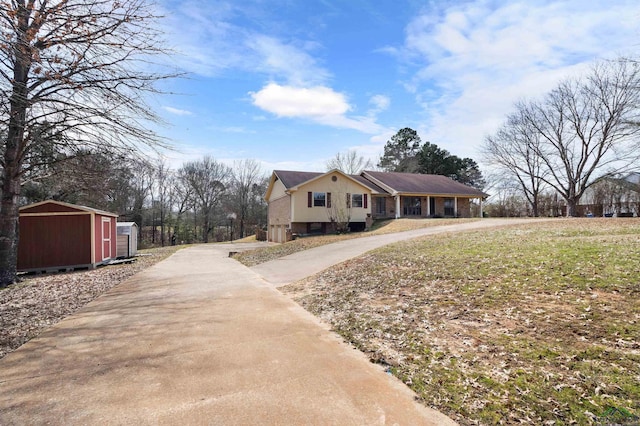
(381, 206)
(356, 200)
(412, 206)
(319, 199)
(449, 207)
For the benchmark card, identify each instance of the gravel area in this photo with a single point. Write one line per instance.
(37, 302)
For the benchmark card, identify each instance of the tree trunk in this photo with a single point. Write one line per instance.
(572, 207)
(534, 207)
(9, 230)
(13, 151)
(9, 215)
(205, 228)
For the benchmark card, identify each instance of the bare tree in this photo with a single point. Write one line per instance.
(77, 71)
(208, 180)
(338, 204)
(246, 174)
(162, 188)
(513, 150)
(584, 129)
(183, 201)
(349, 162)
(589, 128)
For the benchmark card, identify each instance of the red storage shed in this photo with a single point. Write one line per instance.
(56, 235)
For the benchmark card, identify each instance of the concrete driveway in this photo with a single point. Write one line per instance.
(201, 339)
(306, 263)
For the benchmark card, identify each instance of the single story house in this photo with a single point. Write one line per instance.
(56, 235)
(315, 202)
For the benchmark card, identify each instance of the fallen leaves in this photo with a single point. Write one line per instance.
(534, 324)
(38, 302)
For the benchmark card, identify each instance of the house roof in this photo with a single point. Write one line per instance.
(387, 183)
(368, 183)
(414, 183)
(291, 179)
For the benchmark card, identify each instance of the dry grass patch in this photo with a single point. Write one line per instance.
(537, 324)
(255, 257)
(39, 301)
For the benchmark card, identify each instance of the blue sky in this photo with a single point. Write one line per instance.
(290, 83)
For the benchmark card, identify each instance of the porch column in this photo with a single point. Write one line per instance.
(481, 215)
(397, 207)
(428, 206)
(455, 206)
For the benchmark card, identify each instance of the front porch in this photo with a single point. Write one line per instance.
(420, 206)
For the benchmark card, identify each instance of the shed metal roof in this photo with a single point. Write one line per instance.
(34, 206)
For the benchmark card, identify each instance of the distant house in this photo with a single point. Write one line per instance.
(56, 235)
(609, 196)
(313, 202)
(127, 239)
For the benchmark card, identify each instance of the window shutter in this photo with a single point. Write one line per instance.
(348, 200)
(309, 199)
(328, 200)
(364, 201)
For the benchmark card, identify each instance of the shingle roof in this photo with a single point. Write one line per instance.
(291, 178)
(403, 183)
(369, 184)
(413, 183)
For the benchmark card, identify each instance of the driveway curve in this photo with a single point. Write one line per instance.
(200, 339)
(300, 265)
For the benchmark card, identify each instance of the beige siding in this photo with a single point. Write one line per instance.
(338, 189)
(278, 191)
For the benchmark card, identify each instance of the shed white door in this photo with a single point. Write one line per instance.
(106, 238)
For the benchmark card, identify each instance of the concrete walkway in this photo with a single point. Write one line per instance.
(201, 339)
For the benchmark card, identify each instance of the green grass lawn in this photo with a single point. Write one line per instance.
(537, 324)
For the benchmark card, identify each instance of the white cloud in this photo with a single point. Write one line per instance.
(287, 61)
(176, 111)
(217, 38)
(288, 101)
(378, 103)
(318, 104)
(478, 58)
